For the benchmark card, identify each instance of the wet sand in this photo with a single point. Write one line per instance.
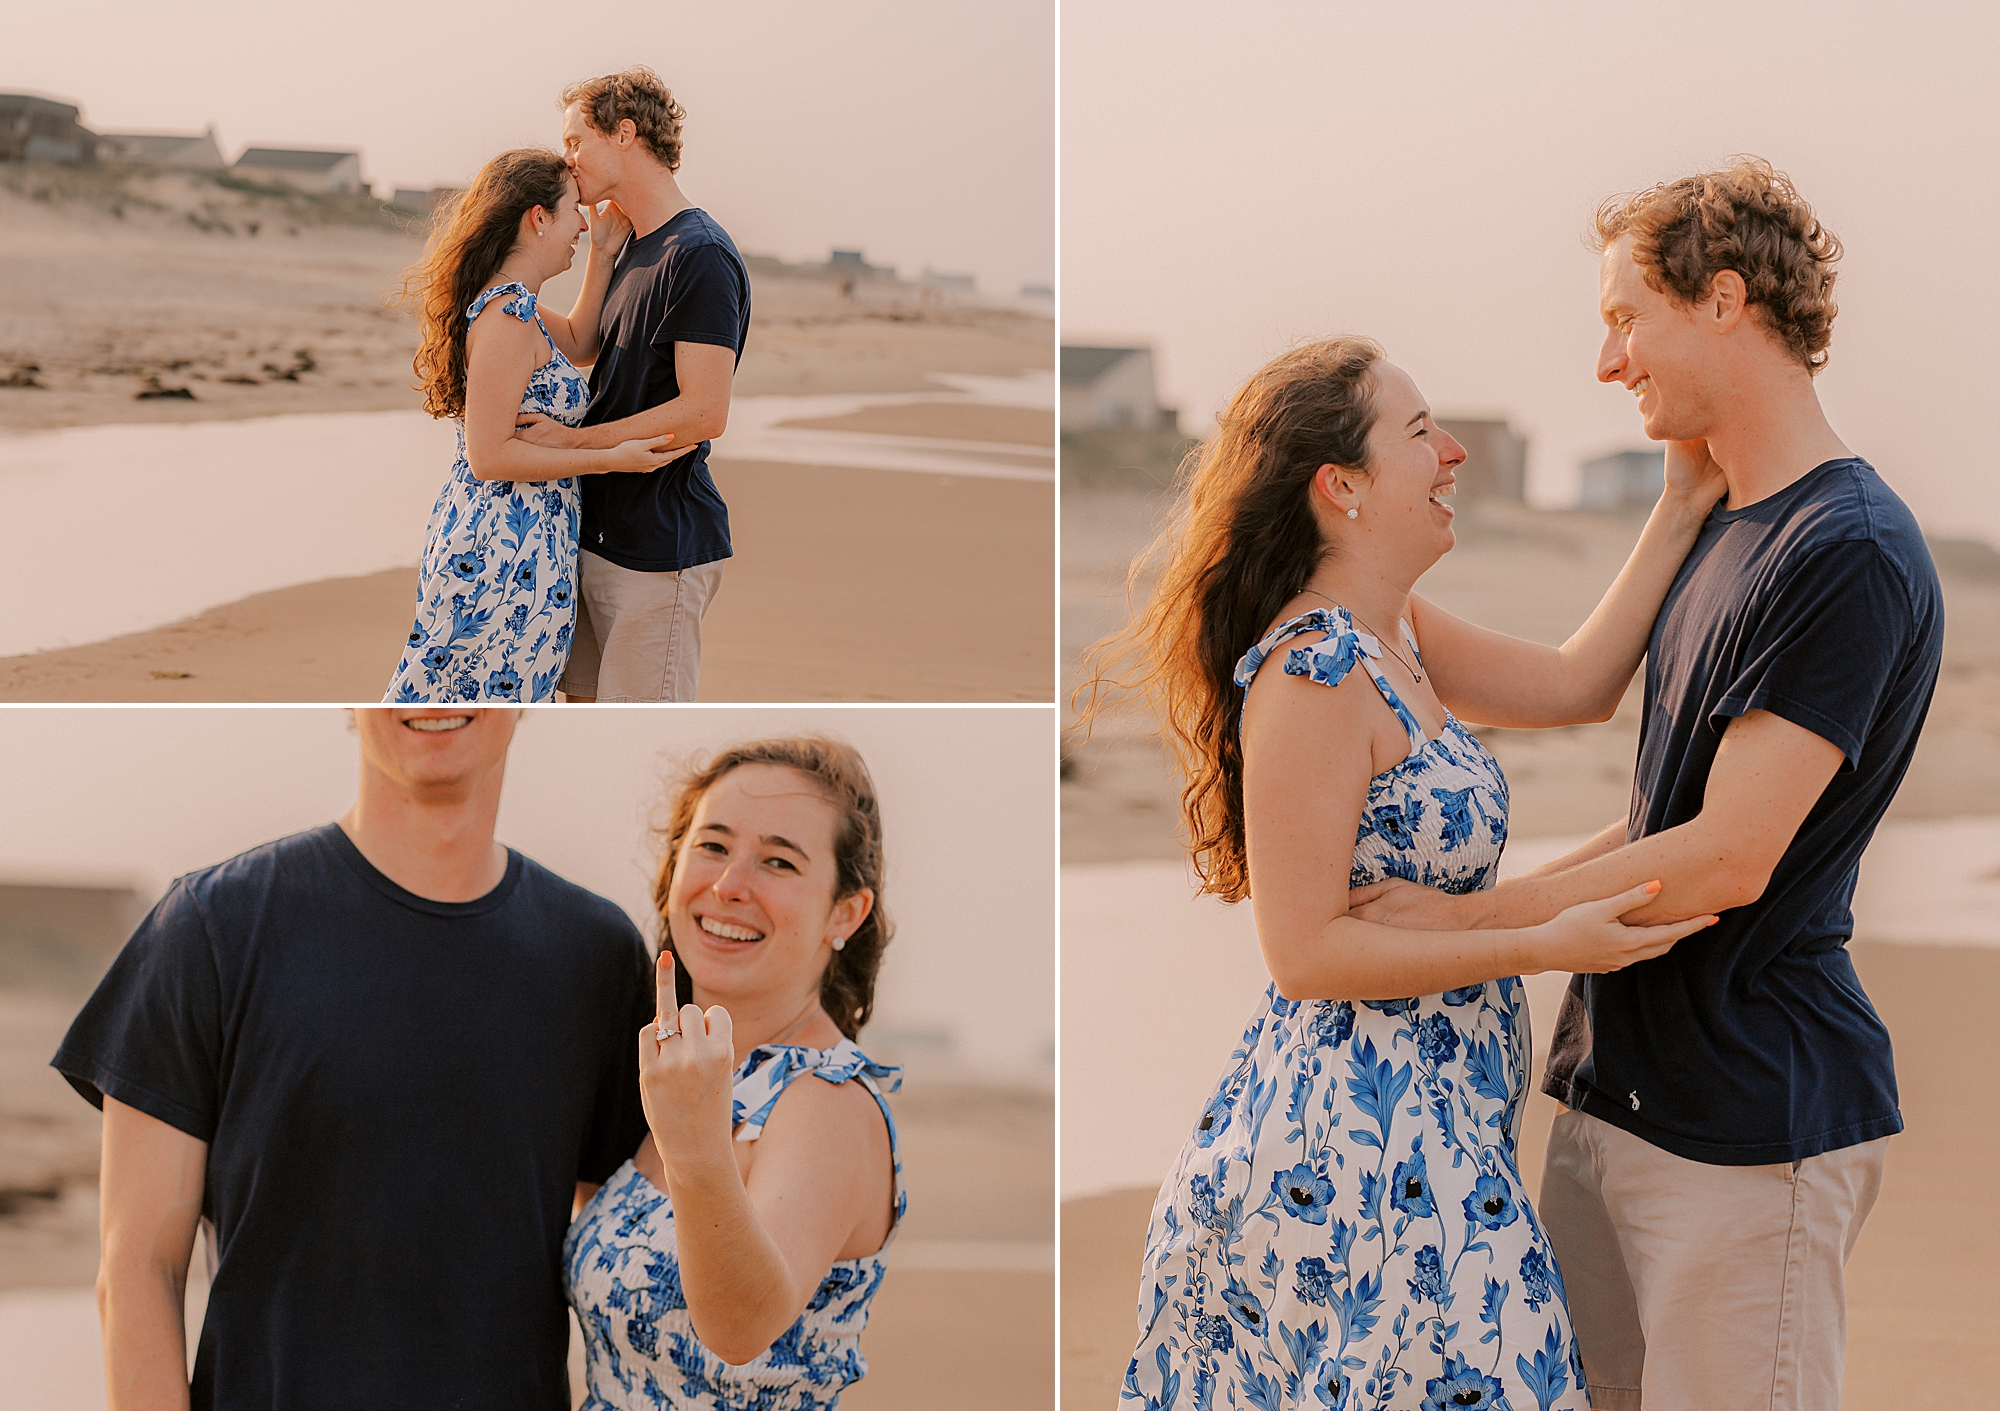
(847, 584)
(1920, 1330)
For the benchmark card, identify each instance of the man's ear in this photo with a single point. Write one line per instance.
(628, 132)
(1727, 298)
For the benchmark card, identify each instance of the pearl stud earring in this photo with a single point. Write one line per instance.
(1354, 514)
(838, 942)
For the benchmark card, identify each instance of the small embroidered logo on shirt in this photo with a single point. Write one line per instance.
(1635, 1101)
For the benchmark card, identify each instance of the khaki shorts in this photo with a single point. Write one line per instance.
(1704, 1288)
(638, 635)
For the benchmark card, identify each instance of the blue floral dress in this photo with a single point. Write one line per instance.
(496, 596)
(1346, 1227)
(624, 1280)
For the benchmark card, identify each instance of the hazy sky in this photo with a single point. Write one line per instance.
(922, 134)
(138, 797)
(1236, 178)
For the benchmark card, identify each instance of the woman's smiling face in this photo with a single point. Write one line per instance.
(751, 904)
(553, 250)
(1402, 522)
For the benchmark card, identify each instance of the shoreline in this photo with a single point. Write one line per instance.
(979, 631)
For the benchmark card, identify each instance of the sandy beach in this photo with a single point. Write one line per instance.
(124, 294)
(1535, 574)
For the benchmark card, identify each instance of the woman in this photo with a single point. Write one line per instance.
(1346, 1226)
(732, 1261)
(496, 593)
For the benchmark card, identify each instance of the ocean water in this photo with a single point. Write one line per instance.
(117, 529)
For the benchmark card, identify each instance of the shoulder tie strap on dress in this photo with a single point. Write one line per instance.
(768, 1069)
(521, 306)
(771, 1068)
(1328, 660)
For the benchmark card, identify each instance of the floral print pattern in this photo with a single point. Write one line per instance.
(624, 1280)
(496, 595)
(1346, 1227)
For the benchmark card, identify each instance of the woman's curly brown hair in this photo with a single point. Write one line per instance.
(1242, 542)
(1749, 218)
(847, 989)
(471, 238)
(639, 95)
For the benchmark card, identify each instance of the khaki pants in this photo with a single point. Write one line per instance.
(1704, 1288)
(638, 635)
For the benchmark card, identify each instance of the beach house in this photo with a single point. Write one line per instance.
(1111, 389)
(1496, 457)
(303, 170)
(37, 129)
(1623, 479)
(163, 149)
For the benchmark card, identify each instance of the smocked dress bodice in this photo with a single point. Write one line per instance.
(622, 1275)
(496, 590)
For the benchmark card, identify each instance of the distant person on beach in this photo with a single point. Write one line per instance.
(378, 1062)
(671, 334)
(731, 1262)
(1729, 1103)
(1346, 1224)
(496, 594)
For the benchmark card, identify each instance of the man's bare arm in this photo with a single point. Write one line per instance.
(1609, 839)
(1767, 775)
(700, 413)
(151, 1188)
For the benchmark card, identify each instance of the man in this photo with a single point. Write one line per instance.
(1729, 1102)
(671, 334)
(374, 1061)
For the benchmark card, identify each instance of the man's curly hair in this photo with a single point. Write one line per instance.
(1749, 218)
(639, 95)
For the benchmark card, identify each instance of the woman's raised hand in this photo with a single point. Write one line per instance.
(685, 1079)
(646, 453)
(608, 228)
(1693, 475)
(1589, 938)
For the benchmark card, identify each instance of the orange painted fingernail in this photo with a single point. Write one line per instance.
(1652, 886)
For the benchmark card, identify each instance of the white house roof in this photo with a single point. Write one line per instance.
(145, 146)
(284, 159)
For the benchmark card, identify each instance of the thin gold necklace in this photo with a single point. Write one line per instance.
(1373, 633)
(804, 1014)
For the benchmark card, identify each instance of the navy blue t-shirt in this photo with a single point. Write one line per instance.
(398, 1096)
(1752, 1042)
(683, 283)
